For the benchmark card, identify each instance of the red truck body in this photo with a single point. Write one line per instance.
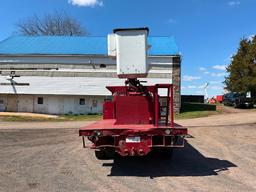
(135, 121)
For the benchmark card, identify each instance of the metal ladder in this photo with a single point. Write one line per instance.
(164, 109)
(162, 112)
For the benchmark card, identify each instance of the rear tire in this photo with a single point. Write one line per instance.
(105, 154)
(100, 154)
(110, 153)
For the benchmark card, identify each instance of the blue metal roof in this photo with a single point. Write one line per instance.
(70, 45)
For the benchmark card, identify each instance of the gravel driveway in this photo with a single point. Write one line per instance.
(220, 156)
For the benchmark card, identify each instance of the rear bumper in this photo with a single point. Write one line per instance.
(118, 132)
(146, 139)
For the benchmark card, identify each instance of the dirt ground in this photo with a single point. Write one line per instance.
(220, 156)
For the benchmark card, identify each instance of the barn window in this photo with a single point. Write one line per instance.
(40, 100)
(81, 101)
(103, 66)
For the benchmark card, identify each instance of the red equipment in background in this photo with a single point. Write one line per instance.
(219, 98)
(135, 121)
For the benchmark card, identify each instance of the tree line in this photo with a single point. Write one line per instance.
(242, 69)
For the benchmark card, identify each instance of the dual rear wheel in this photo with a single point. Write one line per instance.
(105, 153)
(109, 153)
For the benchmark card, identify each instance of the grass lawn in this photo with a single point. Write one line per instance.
(183, 115)
(189, 111)
(58, 119)
(194, 114)
(196, 110)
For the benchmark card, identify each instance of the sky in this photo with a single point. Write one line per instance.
(207, 32)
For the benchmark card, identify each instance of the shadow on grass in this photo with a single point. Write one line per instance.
(185, 161)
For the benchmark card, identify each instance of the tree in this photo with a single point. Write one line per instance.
(58, 23)
(242, 70)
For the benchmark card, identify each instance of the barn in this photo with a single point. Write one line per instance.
(68, 75)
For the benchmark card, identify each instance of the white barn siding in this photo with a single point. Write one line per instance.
(52, 104)
(61, 95)
(80, 86)
(63, 79)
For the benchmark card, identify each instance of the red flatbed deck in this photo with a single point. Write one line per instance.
(109, 125)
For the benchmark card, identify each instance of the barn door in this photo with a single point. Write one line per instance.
(25, 103)
(2, 105)
(12, 103)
